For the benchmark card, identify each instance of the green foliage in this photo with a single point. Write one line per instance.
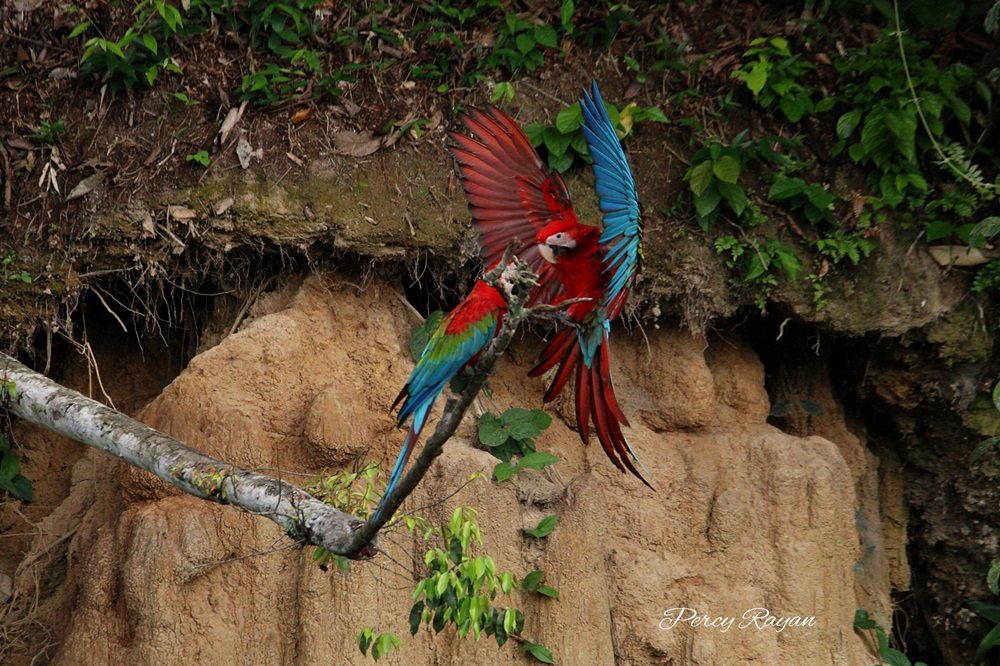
(840, 245)
(987, 277)
(533, 583)
(380, 644)
(813, 200)
(135, 59)
(11, 273)
(512, 434)
(564, 142)
(11, 479)
(460, 587)
(713, 178)
(771, 77)
(755, 262)
(48, 132)
(544, 528)
(521, 44)
(888, 655)
(879, 127)
(503, 93)
(201, 157)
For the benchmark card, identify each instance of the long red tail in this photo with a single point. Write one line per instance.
(595, 396)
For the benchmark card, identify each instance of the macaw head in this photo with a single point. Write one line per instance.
(563, 239)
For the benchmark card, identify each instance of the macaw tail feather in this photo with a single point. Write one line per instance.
(595, 397)
(397, 470)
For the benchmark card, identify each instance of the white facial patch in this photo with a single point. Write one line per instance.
(547, 253)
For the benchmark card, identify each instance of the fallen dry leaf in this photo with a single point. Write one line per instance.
(86, 186)
(221, 207)
(244, 151)
(301, 116)
(181, 213)
(355, 144)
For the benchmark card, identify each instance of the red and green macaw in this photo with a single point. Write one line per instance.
(513, 196)
(457, 342)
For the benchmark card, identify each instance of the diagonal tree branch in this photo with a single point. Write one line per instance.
(36, 398)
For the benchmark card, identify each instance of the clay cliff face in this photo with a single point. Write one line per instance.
(745, 516)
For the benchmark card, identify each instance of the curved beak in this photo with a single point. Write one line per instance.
(554, 247)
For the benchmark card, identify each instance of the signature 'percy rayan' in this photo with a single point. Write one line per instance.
(754, 618)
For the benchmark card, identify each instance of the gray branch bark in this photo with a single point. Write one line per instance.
(36, 398)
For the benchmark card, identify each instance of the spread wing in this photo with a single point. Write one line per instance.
(511, 194)
(621, 239)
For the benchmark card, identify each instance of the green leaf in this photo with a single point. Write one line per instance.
(79, 30)
(532, 580)
(996, 396)
(568, 120)
(415, 614)
(536, 132)
(422, 334)
(539, 652)
(847, 123)
(727, 169)
(700, 177)
(653, 113)
(525, 42)
(794, 107)
(990, 611)
(556, 142)
(862, 620)
(785, 188)
(548, 591)
(150, 42)
(560, 163)
(544, 528)
(546, 36)
(537, 460)
(989, 641)
(365, 637)
(491, 430)
(982, 232)
(566, 15)
(937, 230)
(755, 77)
(734, 196)
(707, 202)
(522, 424)
(10, 465)
(504, 471)
(819, 197)
(786, 260)
(825, 104)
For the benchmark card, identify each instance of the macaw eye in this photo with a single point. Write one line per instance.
(559, 236)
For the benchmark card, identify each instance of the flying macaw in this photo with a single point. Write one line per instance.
(513, 196)
(457, 342)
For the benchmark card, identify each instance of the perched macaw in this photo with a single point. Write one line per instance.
(513, 196)
(457, 342)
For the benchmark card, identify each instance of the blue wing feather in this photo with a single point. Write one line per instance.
(622, 235)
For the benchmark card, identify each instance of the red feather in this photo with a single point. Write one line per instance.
(511, 194)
